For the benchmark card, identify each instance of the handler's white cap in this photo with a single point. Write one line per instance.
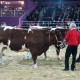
(72, 25)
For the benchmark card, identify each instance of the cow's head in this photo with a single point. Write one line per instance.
(60, 34)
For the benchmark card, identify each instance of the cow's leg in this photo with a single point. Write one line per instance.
(58, 53)
(3, 50)
(1, 54)
(34, 57)
(45, 56)
(78, 59)
(1, 60)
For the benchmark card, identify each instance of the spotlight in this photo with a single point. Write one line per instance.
(22, 2)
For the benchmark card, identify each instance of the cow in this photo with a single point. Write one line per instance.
(61, 32)
(37, 41)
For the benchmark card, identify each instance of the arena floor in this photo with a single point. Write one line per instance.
(16, 68)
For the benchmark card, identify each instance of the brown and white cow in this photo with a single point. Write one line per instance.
(60, 33)
(36, 40)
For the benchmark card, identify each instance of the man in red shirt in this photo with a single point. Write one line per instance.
(72, 38)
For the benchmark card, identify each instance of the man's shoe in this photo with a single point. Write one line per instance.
(72, 69)
(65, 69)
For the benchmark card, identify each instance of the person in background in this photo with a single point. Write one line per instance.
(3, 24)
(73, 40)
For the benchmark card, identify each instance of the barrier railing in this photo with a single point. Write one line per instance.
(11, 13)
(48, 23)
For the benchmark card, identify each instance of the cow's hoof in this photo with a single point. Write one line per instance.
(1, 63)
(3, 54)
(58, 57)
(35, 66)
(46, 59)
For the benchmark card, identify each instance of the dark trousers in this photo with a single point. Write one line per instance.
(70, 50)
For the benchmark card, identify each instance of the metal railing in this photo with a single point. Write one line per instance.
(11, 13)
(48, 23)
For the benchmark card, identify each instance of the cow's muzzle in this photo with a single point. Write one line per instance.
(62, 44)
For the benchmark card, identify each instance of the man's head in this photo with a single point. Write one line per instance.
(72, 25)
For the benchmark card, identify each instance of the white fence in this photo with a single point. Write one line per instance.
(11, 13)
(48, 23)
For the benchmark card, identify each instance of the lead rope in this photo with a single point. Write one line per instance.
(57, 42)
(56, 38)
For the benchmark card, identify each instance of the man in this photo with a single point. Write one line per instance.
(73, 39)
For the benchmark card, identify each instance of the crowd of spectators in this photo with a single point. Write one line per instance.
(60, 12)
(34, 15)
(57, 13)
